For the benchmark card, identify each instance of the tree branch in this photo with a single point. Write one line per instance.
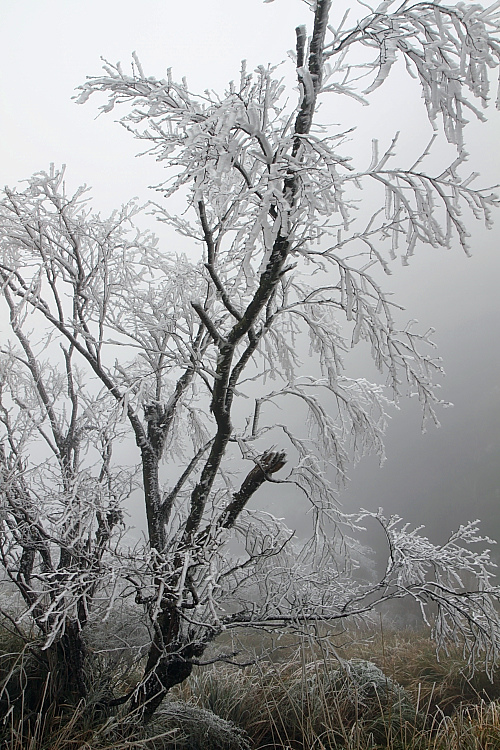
(269, 463)
(207, 322)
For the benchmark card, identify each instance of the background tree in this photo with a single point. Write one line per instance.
(61, 497)
(270, 200)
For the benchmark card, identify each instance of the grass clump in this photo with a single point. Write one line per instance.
(441, 684)
(474, 727)
(308, 704)
(189, 727)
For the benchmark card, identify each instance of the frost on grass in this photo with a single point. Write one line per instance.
(197, 729)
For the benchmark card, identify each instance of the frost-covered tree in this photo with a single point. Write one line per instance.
(200, 354)
(62, 495)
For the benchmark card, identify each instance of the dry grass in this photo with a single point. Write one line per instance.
(409, 658)
(370, 691)
(295, 698)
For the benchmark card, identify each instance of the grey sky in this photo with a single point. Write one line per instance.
(48, 47)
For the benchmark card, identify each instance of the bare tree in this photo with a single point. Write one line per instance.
(59, 512)
(198, 354)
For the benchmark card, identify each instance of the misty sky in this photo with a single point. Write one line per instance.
(442, 478)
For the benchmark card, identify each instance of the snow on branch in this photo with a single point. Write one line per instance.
(449, 49)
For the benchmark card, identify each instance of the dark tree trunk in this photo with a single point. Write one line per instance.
(170, 662)
(153, 499)
(66, 660)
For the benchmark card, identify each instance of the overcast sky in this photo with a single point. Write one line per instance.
(49, 46)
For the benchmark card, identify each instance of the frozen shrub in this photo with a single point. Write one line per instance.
(198, 729)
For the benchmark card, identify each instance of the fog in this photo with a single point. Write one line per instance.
(442, 478)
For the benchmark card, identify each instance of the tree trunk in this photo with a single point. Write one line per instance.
(66, 660)
(170, 662)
